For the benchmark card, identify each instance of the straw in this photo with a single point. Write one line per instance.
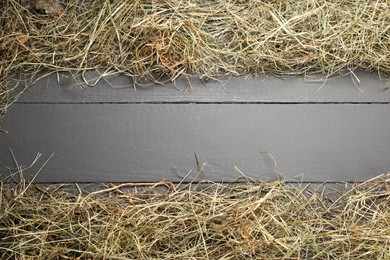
(206, 39)
(273, 220)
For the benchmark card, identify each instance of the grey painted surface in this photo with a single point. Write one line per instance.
(66, 89)
(153, 142)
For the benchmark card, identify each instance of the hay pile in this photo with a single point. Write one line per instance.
(208, 39)
(242, 221)
(150, 38)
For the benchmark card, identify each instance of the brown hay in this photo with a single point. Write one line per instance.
(253, 220)
(207, 39)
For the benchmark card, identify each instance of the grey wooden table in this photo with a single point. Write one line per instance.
(301, 129)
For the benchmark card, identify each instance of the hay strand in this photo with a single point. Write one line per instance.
(219, 221)
(207, 39)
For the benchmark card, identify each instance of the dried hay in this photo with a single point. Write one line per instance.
(212, 221)
(207, 39)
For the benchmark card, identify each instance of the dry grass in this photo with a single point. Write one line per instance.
(241, 221)
(207, 39)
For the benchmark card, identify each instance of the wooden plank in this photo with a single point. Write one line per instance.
(66, 89)
(153, 142)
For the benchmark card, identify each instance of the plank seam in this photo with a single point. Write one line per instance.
(201, 103)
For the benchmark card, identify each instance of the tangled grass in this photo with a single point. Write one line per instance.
(214, 221)
(207, 39)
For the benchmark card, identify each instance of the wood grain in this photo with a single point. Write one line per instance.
(154, 142)
(119, 89)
